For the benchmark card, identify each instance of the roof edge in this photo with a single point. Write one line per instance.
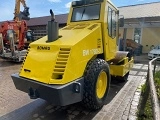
(49, 15)
(139, 4)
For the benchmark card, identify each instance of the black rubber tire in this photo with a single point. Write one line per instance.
(93, 69)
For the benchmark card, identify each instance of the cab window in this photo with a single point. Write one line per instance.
(86, 13)
(111, 22)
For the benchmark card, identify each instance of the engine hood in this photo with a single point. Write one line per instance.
(155, 51)
(57, 62)
(70, 34)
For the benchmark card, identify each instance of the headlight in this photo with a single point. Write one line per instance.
(150, 54)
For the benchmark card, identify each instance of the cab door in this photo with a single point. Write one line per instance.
(111, 27)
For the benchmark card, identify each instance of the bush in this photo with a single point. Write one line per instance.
(157, 83)
(148, 108)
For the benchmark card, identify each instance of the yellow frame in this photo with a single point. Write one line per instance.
(121, 70)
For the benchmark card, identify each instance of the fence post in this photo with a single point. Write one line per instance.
(154, 70)
(154, 97)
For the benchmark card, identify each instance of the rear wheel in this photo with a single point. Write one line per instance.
(96, 84)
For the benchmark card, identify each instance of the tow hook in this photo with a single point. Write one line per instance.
(77, 87)
(33, 93)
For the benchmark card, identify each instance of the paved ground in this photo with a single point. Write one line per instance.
(10, 98)
(122, 100)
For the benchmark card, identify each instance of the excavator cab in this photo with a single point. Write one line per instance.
(29, 36)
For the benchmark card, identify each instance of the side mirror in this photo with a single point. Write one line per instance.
(121, 22)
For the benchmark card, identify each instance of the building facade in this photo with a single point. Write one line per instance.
(143, 24)
(39, 25)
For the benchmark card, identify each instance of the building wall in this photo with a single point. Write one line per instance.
(150, 37)
(38, 31)
(129, 35)
(41, 30)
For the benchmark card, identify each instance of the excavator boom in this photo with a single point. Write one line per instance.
(18, 15)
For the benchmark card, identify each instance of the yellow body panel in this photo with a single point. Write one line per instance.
(121, 70)
(65, 59)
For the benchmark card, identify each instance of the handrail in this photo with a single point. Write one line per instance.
(154, 98)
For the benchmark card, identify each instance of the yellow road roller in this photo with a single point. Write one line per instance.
(75, 63)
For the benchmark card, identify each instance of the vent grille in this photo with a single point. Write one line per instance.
(92, 27)
(78, 26)
(69, 27)
(81, 26)
(61, 63)
(24, 59)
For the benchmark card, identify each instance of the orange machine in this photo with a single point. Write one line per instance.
(14, 27)
(14, 48)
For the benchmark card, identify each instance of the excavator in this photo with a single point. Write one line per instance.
(75, 63)
(14, 33)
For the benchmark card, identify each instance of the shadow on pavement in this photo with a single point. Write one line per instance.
(5, 63)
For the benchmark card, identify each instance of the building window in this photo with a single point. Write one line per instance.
(137, 35)
(111, 22)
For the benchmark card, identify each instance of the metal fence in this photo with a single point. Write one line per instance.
(151, 89)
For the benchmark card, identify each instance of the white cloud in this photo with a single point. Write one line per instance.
(68, 5)
(54, 1)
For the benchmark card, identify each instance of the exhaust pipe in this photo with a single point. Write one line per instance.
(53, 28)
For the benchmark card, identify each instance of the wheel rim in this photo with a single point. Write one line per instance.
(101, 84)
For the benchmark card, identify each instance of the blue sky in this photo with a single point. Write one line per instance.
(40, 8)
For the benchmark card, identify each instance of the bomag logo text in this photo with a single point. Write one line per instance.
(43, 48)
